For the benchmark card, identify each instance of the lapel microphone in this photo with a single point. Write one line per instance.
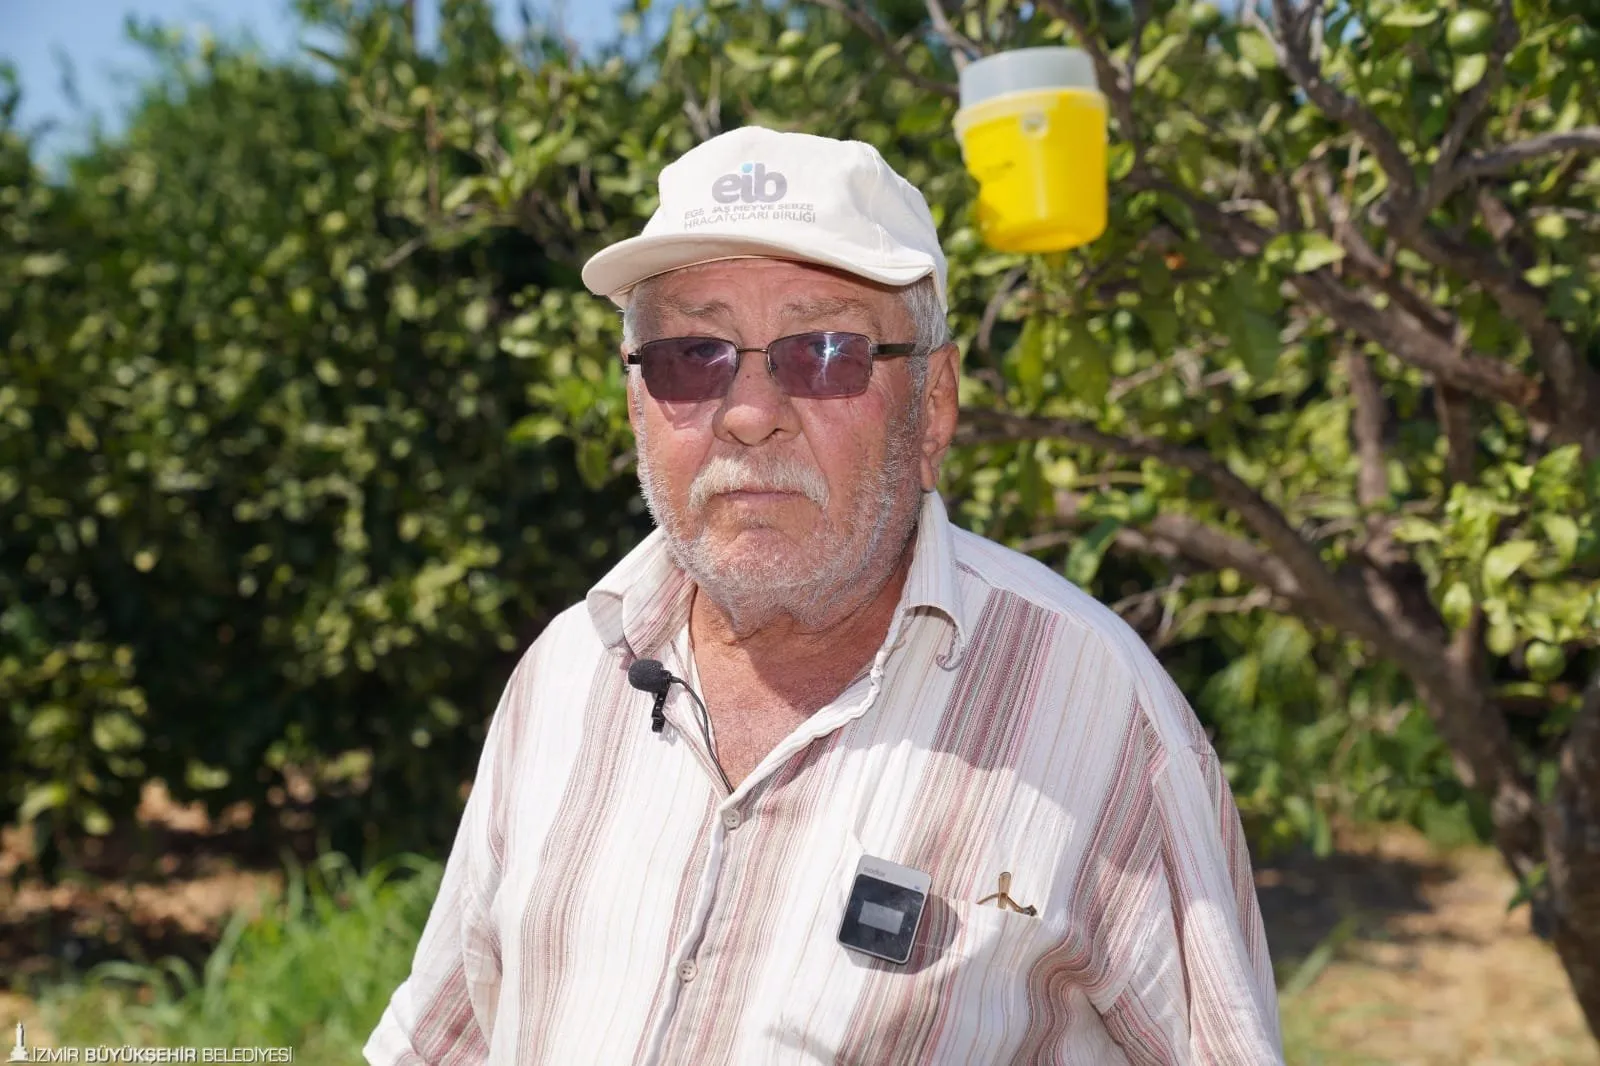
(648, 675)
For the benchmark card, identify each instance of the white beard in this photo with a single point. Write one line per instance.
(847, 561)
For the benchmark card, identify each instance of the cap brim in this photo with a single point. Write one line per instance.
(615, 270)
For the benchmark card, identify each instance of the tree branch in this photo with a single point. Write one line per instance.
(705, 121)
(1365, 263)
(1338, 600)
(1256, 599)
(1572, 847)
(1141, 17)
(1293, 46)
(962, 49)
(1445, 176)
(879, 37)
(1454, 411)
(1391, 328)
(991, 310)
(1219, 550)
(1394, 585)
(1497, 161)
(1572, 385)
(1177, 537)
(1372, 477)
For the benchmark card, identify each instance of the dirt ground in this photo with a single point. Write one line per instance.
(1426, 967)
(1388, 952)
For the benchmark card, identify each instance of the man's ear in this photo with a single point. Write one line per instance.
(941, 401)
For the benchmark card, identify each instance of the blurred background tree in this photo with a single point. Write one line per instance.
(264, 516)
(307, 425)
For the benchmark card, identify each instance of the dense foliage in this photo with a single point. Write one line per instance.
(305, 422)
(261, 502)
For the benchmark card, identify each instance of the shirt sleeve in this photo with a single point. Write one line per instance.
(1200, 989)
(443, 1013)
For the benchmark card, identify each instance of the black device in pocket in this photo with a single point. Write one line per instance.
(884, 910)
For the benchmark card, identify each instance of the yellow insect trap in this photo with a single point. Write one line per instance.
(1032, 130)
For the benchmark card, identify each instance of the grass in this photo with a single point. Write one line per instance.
(313, 971)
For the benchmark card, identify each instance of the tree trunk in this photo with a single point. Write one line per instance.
(1469, 722)
(1572, 849)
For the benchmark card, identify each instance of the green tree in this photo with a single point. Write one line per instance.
(262, 515)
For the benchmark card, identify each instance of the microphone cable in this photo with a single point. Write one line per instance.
(649, 676)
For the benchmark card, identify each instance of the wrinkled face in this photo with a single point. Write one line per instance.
(774, 504)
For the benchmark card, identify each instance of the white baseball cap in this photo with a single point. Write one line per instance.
(755, 192)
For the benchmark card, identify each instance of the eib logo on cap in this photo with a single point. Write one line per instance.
(754, 184)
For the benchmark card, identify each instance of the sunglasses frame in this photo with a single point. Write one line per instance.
(875, 351)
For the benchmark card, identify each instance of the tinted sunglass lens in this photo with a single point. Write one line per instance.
(688, 369)
(821, 365)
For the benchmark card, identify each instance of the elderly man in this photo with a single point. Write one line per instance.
(938, 806)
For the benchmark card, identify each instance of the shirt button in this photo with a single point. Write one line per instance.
(687, 969)
(730, 819)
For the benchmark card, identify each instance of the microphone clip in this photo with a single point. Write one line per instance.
(658, 720)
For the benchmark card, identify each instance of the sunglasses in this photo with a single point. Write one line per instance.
(806, 366)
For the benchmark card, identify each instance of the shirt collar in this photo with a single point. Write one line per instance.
(644, 599)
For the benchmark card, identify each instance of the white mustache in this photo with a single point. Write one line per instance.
(726, 474)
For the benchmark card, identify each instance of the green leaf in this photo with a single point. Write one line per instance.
(41, 265)
(1501, 639)
(1303, 252)
(1563, 533)
(1546, 662)
(745, 58)
(1086, 370)
(49, 722)
(116, 732)
(1083, 558)
(1256, 341)
(1411, 16)
(41, 798)
(1028, 359)
(594, 463)
(1506, 559)
(1254, 337)
(1257, 50)
(1414, 530)
(94, 820)
(1155, 277)
(1156, 57)
(1164, 327)
(1557, 470)
(1456, 605)
(821, 56)
(1526, 887)
(536, 429)
(922, 118)
(204, 778)
(1469, 70)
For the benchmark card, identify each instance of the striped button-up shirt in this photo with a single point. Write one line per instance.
(606, 901)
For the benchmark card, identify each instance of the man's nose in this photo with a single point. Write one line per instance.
(755, 408)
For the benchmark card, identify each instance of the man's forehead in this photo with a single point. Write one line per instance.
(798, 305)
